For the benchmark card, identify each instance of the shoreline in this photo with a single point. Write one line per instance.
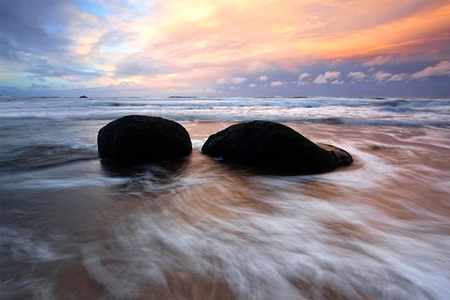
(206, 229)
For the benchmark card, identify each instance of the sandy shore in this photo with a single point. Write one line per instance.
(204, 230)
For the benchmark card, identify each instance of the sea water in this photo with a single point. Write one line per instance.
(71, 227)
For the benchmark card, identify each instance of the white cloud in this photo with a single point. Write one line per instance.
(336, 62)
(221, 81)
(356, 76)
(399, 77)
(377, 61)
(302, 79)
(440, 69)
(276, 83)
(252, 85)
(238, 80)
(262, 78)
(337, 81)
(257, 67)
(323, 78)
(320, 80)
(381, 76)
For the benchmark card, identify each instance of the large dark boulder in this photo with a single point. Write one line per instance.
(141, 139)
(274, 147)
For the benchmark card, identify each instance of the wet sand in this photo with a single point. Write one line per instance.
(200, 229)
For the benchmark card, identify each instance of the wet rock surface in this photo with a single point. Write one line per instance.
(274, 147)
(138, 139)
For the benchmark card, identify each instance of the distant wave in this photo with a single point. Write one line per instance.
(354, 111)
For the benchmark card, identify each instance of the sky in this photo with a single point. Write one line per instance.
(342, 48)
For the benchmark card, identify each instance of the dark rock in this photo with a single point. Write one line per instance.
(141, 139)
(275, 147)
(83, 96)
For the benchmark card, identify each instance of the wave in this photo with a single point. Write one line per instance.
(43, 156)
(353, 111)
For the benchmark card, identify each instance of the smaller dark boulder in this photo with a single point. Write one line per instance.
(83, 96)
(142, 139)
(274, 147)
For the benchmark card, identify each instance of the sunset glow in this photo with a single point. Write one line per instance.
(198, 47)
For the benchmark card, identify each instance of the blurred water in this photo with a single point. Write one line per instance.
(71, 227)
(359, 111)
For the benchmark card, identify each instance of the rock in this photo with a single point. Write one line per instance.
(83, 96)
(274, 147)
(141, 139)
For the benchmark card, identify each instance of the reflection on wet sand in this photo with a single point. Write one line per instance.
(200, 229)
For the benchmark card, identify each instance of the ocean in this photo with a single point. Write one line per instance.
(73, 228)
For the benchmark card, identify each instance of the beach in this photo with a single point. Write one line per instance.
(74, 228)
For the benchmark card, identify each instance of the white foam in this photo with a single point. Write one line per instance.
(25, 246)
(259, 255)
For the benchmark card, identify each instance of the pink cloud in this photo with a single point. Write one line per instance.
(440, 69)
(257, 66)
(381, 76)
(399, 77)
(337, 81)
(238, 80)
(357, 76)
(377, 61)
(221, 81)
(262, 78)
(323, 78)
(302, 79)
(277, 83)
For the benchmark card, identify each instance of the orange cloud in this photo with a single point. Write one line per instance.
(185, 43)
(230, 34)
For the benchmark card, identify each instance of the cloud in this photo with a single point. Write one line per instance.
(377, 61)
(252, 85)
(381, 76)
(40, 86)
(257, 67)
(221, 81)
(440, 69)
(356, 76)
(111, 39)
(140, 64)
(302, 79)
(276, 83)
(25, 30)
(238, 80)
(262, 78)
(42, 69)
(193, 43)
(323, 78)
(320, 80)
(337, 81)
(399, 77)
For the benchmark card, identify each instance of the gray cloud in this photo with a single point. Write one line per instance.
(111, 38)
(32, 27)
(31, 33)
(40, 86)
(34, 38)
(41, 69)
(137, 64)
